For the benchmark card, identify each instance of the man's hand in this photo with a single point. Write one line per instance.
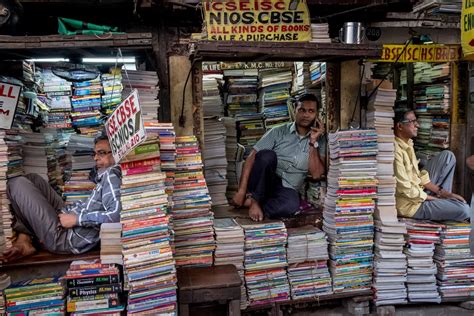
(316, 132)
(450, 195)
(431, 198)
(239, 198)
(68, 220)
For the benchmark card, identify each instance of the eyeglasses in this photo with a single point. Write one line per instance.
(303, 110)
(101, 153)
(414, 122)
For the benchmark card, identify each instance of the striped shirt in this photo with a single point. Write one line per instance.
(102, 206)
(292, 152)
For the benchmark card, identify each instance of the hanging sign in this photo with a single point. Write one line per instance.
(420, 53)
(125, 128)
(9, 97)
(467, 28)
(257, 20)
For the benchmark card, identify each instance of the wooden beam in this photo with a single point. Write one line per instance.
(198, 114)
(333, 88)
(349, 93)
(179, 69)
(421, 23)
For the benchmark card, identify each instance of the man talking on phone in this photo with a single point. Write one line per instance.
(279, 163)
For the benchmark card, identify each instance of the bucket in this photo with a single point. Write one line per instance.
(351, 33)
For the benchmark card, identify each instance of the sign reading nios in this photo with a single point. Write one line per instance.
(257, 20)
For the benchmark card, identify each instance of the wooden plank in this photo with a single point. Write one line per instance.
(179, 67)
(349, 92)
(198, 113)
(333, 85)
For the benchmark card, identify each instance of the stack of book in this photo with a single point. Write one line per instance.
(250, 128)
(93, 288)
(5, 216)
(320, 33)
(421, 280)
(215, 162)
(230, 249)
(234, 156)
(59, 115)
(86, 103)
(349, 205)
(211, 96)
(240, 91)
(112, 90)
(5, 282)
(307, 262)
(110, 243)
(274, 92)
(265, 261)
(317, 72)
(35, 297)
(191, 212)
(455, 262)
(149, 267)
(301, 78)
(146, 82)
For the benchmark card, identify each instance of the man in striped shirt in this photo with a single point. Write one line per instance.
(42, 219)
(279, 163)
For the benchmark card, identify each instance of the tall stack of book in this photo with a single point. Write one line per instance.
(5, 216)
(455, 262)
(215, 162)
(5, 282)
(112, 90)
(274, 92)
(234, 156)
(149, 267)
(230, 249)
(93, 288)
(390, 266)
(240, 91)
(111, 243)
(146, 82)
(86, 104)
(191, 212)
(250, 128)
(349, 205)
(317, 72)
(320, 33)
(421, 281)
(211, 95)
(301, 78)
(265, 261)
(35, 297)
(307, 262)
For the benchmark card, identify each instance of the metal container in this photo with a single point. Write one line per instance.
(351, 33)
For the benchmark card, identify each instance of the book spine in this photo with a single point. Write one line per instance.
(142, 163)
(97, 280)
(92, 304)
(95, 290)
(140, 170)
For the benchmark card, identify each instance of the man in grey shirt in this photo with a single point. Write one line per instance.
(40, 215)
(279, 163)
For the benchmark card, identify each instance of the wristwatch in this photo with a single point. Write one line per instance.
(315, 145)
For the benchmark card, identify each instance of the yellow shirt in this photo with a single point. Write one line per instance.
(410, 181)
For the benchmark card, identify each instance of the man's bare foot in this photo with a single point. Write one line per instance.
(248, 202)
(255, 211)
(22, 247)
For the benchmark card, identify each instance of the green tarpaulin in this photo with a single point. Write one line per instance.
(75, 27)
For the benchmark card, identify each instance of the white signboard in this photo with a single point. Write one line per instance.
(9, 96)
(125, 128)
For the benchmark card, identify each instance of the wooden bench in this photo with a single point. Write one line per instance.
(209, 284)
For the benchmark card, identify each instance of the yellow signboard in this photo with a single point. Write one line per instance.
(420, 53)
(467, 28)
(257, 20)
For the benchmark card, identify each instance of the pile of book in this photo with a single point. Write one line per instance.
(5, 216)
(146, 82)
(240, 91)
(307, 262)
(317, 72)
(93, 288)
(111, 243)
(265, 261)
(230, 249)
(301, 78)
(86, 104)
(234, 156)
(455, 262)
(349, 207)
(5, 282)
(149, 267)
(250, 128)
(35, 297)
(58, 92)
(191, 212)
(215, 162)
(320, 33)
(112, 90)
(211, 96)
(421, 280)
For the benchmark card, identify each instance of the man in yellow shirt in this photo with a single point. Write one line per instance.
(424, 194)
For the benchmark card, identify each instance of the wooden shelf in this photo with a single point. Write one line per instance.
(276, 51)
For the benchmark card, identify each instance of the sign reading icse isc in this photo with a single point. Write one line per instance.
(125, 128)
(9, 97)
(257, 20)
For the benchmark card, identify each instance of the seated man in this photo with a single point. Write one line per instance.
(40, 214)
(424, 194)
(279, 164)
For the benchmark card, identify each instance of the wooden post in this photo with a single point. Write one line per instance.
(349, 91)
(198, 117)
(160, 50)
(180, 66)
(333, 84)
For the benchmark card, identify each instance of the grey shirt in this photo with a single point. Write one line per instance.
(292, 152)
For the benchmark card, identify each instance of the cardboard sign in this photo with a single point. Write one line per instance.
(257, 20)
(420, 53)
(9, 97)
(125, 128)
(467, 29)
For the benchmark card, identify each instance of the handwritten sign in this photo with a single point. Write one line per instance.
(467, 29)
(257, 20)
(9, 97)
(420, 53)
(125, 128)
